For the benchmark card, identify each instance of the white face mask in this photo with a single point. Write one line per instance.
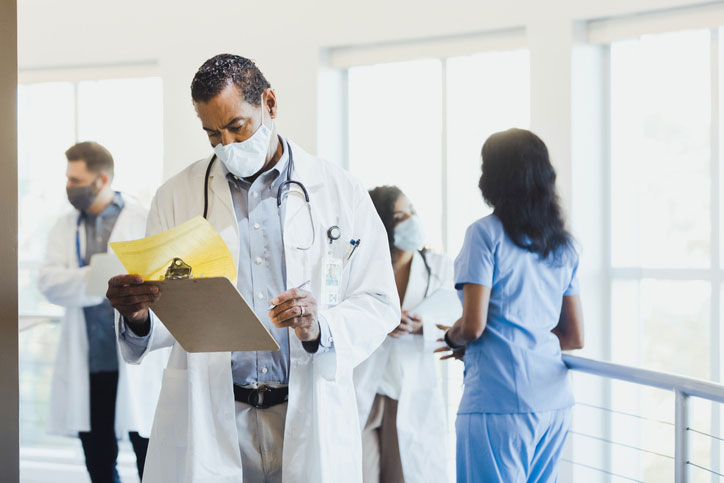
(248, 157)
(409, 235)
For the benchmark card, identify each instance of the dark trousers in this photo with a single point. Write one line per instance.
(99, 444)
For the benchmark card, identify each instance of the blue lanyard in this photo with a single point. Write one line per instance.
(81, 262)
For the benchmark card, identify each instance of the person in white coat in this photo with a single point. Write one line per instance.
(94, 394)
(288, 219)
(400, 401)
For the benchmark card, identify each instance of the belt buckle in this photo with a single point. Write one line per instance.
(256, 397)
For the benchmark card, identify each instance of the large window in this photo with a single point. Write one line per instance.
(665, 236)
(420, 125)
(125, 115)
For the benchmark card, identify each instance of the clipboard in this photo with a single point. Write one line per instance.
(210, 315)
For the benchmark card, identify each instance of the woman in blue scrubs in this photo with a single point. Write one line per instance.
(516, 276)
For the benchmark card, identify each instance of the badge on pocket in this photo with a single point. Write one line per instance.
(333, 267)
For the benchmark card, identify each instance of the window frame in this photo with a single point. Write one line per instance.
(68, 458)
(605, 33)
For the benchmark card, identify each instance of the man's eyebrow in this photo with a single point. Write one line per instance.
(233, 121)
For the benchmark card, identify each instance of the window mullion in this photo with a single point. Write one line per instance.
(715, 317)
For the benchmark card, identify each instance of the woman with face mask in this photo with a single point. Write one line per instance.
(516, 277)
(398, 394)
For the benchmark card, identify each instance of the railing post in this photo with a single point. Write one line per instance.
(681, 438)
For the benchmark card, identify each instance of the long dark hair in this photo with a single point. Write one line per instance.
(519, 183)
(384, 199)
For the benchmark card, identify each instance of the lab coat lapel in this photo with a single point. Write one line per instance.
(416, 285)
(302, 265)
(221, 212)
(297, 226)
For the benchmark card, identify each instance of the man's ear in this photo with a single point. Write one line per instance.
(270, 101)
(105, 180)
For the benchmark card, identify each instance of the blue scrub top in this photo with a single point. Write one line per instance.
(515, 366)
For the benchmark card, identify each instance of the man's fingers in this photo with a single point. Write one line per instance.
(292, 312)
(136, 299)
(442, 327)
(442, 349)
(291, 294)
(130, 290)
(121, 280)
(449, 356)
(279, 308)
(295, 322)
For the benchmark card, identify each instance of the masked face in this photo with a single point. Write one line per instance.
(409, 235)
(82, 197)
(246, 158)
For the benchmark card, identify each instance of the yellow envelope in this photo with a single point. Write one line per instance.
(195, 242)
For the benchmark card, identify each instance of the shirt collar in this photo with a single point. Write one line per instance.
(114, 206)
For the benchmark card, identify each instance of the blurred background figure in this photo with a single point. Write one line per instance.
(94, 394)
(516, 276)
(401, 407)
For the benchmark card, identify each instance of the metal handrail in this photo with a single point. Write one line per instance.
(662, 380)
(682, 387)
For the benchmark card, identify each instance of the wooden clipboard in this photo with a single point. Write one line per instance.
(210, 315)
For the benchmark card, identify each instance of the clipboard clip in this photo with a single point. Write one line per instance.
(178, 270)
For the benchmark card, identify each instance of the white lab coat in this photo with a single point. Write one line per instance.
(421, 427)
(194, 436)
(63, 282)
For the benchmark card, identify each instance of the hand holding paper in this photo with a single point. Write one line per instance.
(198, 301)
(195, 242)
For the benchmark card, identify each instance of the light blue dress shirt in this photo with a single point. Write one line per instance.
(102, 345)
(516, 365)
(261, 275)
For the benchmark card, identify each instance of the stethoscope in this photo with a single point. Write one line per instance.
(280, 191)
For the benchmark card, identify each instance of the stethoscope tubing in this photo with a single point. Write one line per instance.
(280, 192)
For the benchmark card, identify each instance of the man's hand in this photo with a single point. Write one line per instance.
(409, 324)
(296, 308)
(131, 298)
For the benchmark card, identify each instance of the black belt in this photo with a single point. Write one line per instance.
(262, 397)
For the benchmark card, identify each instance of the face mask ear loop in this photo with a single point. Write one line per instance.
(261, 124)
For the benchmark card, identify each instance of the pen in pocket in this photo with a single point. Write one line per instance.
(353, 244)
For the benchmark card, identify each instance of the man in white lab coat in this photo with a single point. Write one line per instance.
(307, 241)
(94, 394)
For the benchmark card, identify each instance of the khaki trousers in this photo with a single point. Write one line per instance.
(261, 439)
(381, 461)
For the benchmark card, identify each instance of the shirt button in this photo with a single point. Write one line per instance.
(257, 226)
(264, 370)
(260, 296)
(255, 194)
(258, 260)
